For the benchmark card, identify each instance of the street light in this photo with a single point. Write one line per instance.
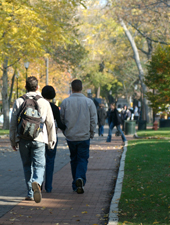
(26, 64)
(17, 75)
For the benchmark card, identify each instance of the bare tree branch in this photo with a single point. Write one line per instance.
(145, 36)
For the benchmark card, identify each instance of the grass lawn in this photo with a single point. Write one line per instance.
(145, 198)
(161, 132)
(2, 132)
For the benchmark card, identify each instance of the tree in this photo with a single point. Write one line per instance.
(150, 19)
(99, 38)
(27, 30)
(158, 79)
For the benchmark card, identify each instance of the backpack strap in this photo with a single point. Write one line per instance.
(34, 97)
(24, 97)
(37, 97)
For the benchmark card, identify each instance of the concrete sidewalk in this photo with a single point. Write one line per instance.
(63, 206)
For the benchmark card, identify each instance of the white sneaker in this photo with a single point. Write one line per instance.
(125, 143)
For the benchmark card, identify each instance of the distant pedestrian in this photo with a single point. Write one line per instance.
(108, 115)
(48, 93)
(79, 115)
(115, 120)
(136, 113)
(33, 151)
(125, 115)
(101, 113)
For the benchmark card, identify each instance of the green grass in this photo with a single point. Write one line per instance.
(2, 132)
(145, 198)
(161, 132)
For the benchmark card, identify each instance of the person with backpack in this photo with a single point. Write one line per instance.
(48, 93)
(115, 120)
(31, 127)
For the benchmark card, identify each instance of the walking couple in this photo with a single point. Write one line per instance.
(78, 122)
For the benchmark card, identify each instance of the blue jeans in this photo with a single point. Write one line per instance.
(33, 160)
(50, 159)
(101, 129)
(79, 154)
(111, 126)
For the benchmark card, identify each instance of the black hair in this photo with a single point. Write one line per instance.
(31, 83)
(76, 85)
(48, 92)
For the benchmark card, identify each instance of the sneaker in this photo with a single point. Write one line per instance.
(125, 143)
(37, 192)
(29, 198)
(79, 184)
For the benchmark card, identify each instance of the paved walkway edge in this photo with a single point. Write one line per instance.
(113, 213)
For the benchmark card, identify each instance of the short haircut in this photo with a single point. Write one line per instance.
(76, 85)
(48, 92)
(31, 83)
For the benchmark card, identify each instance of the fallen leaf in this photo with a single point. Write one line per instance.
(84, 212)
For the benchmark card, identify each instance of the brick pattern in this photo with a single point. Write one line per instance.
(63, 206)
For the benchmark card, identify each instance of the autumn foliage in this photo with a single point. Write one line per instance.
(158, 79)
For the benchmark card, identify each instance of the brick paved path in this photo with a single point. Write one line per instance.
(63, 206)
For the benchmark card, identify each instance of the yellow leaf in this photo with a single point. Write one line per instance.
(84, 212)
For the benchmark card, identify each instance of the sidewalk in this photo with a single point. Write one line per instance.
(63, 206)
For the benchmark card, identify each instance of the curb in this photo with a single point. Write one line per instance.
(113, 213)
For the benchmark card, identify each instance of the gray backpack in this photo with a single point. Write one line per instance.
(29, 118)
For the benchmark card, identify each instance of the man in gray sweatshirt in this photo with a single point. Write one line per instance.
(79, 115)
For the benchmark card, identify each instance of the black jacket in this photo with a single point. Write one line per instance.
(115, 118)
(56, 114)
(101, 116)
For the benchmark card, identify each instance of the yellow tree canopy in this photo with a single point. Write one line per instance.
(27, 28)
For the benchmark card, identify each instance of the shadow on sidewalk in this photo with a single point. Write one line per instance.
(63, 206)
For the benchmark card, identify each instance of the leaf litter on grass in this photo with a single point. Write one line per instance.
(141, 195)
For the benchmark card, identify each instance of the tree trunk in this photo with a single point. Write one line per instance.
(140, 69)
(98, 92)
(5, 103)
(12, 87)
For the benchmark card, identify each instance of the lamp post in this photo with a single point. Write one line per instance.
(17, 75)
(26, 64)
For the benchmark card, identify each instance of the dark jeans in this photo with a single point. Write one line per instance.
(110, 132)
(79, 154)
(50, 159)
(101, 130)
